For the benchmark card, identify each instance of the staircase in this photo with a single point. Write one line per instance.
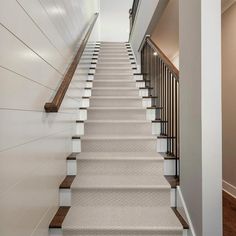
(116, 184)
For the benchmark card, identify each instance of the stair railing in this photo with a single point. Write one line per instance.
(132, 13)
(60, 94)
(160, 74)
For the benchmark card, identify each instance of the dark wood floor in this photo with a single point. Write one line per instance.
(229, 215)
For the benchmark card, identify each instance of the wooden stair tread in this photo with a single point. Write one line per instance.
(59, 217)
(181, 219)
(72, 156)
(67, 182)
(173, 180)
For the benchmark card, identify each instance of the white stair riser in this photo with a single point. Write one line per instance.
(143, 92)
(147, 102)
(92, 71)
(169, 167)
(118, 129)
(76, 145)
(124, 198)
(88, 61)
(122, 145)
(65, 197)
(82, 115)
(115, 92)
(151, 114)
(87, 93)
(77, 84)
(71, 167)
(85, 102)
(116, 102)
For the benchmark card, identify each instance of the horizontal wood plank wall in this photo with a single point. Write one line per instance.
(37, 45)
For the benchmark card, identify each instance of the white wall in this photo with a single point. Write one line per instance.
(114, 20)
(143, 18)
(37, 42)
(200, 114)
(229, 91)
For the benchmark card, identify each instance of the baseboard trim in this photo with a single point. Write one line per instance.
(191, 231)
(229, 188)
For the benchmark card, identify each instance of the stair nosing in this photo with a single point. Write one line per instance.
(117, 108)
(129, 229)
(118, 121)
(112, 138)
(157, 159)
(122, 187)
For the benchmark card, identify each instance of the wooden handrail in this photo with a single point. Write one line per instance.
(162, 55)
(58, 98)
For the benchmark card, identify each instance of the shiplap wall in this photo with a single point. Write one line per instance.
(37, 38)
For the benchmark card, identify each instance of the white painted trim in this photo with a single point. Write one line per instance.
(65, 197)
(169, 167)
(227, 5)
(229, 188)
(71, 167)
(173, 197)
(180, 195)
(55, 232)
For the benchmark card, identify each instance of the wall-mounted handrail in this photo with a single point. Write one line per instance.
(161, 74)
(60, 94)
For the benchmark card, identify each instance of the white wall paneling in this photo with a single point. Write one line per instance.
(38, 41)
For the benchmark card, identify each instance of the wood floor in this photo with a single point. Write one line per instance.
(229, 215)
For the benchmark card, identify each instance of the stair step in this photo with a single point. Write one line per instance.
(118, 143)
(104, 67)
(121, 84)
(111, 91)
(120, 197)
(118, 72)
(118, 127)
(120, 174)
(154, 156)
(111, 64)
(114, 50)
(110, 113)
(115, 102)
(114, 77)
(114, 60)
(89, 220)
